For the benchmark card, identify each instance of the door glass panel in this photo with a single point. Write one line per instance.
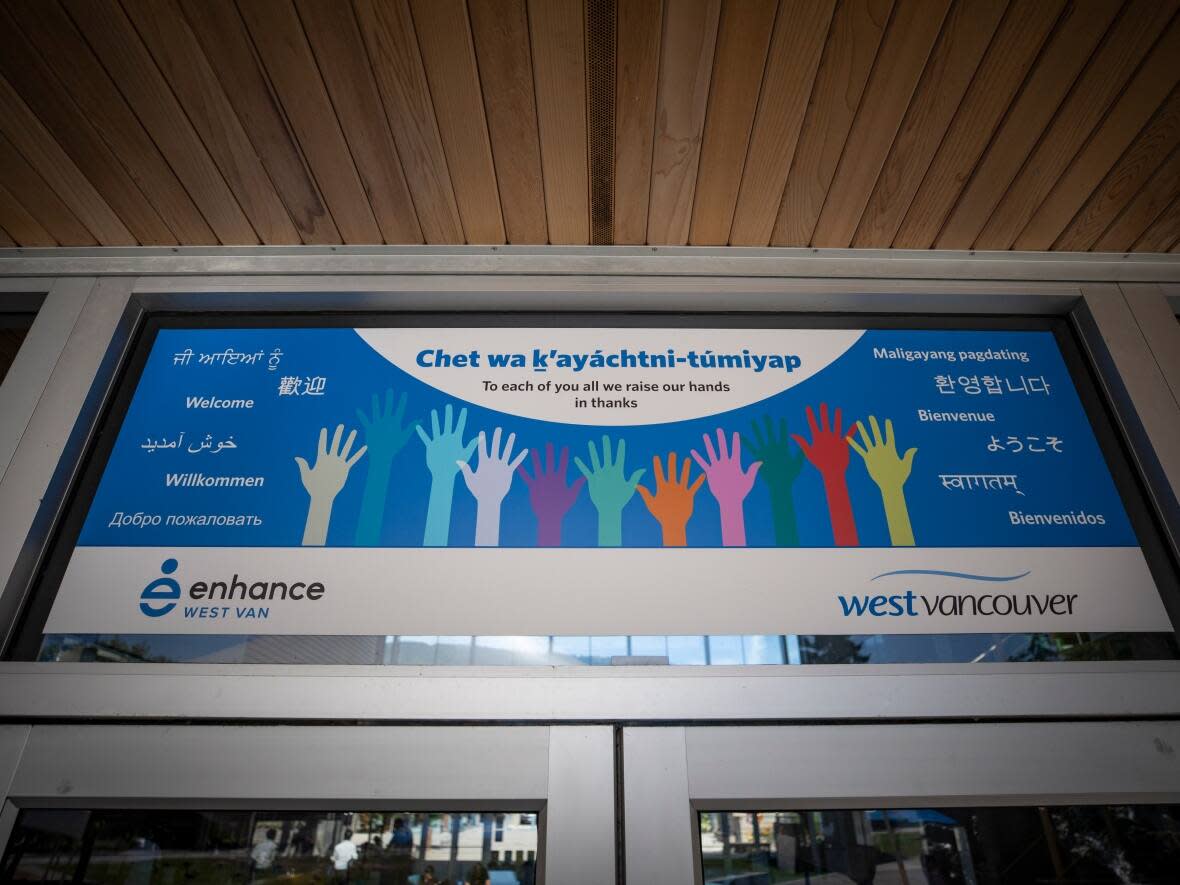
(942, 846)
(207, 847)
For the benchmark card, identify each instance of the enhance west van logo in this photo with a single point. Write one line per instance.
(164, 594)
(159, 597)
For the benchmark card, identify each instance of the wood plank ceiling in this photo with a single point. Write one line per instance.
(957, 124)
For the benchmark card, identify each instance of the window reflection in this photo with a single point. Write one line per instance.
(392, 848)
(942, 846)
(531, 651)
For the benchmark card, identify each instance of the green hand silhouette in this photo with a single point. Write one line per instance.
(889, 471)
(780, 468)
(609, 489)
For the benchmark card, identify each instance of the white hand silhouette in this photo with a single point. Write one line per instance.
(489, 483)
(325, 480)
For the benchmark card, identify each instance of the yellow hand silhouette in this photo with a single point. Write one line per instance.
(889, 471)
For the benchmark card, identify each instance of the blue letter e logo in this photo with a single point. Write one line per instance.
(154, 598)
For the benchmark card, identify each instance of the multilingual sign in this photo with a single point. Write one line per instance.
(602, 481)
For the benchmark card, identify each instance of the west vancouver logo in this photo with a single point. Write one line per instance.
(956, 604)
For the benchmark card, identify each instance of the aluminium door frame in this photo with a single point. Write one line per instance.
(556, 772)
(672, 774)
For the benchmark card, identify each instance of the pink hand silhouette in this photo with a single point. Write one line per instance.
(729, 484)
(549, 495)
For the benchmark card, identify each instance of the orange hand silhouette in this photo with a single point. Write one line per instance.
(671, 504)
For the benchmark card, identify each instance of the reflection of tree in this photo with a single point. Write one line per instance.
(1037, 647)
(1093, 647)
(1127, 843)
(100, 648)
(118, 648)
(832, 650)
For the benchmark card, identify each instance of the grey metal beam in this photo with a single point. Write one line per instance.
(581, 260)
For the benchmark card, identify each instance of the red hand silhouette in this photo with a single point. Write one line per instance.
(829, 452)
(828, 449)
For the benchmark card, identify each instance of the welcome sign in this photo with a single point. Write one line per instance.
(536, 481)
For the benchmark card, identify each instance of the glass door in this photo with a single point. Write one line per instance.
(131, 846)
(951, 845)
(305, 805)
(979, 803)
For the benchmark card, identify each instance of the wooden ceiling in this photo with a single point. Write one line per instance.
(957, 124)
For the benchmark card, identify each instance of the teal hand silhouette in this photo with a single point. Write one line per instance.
(610, 489)
(780, 468)
(385, 436)
(445, 450)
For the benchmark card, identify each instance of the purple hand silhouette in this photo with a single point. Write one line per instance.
(549, 495)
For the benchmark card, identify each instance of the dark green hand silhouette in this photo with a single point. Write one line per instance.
(781, 466)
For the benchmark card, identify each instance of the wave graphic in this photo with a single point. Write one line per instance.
(963, 575)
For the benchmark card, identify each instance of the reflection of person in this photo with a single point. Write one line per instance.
(400, 849)
(343, 856)
(372, 853)
(263, 854)
(401, 840)
(478, 875)
(142, 856)
(940, 857)
(301, 843)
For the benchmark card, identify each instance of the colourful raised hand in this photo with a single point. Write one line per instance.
(549, 495)
(385, 436)
(780, 468)
(610, 489)
(324, 482)
(671, 504)
(729, 484)
(489, 483)
(445, 449)
(828, 452)
(889, 472)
